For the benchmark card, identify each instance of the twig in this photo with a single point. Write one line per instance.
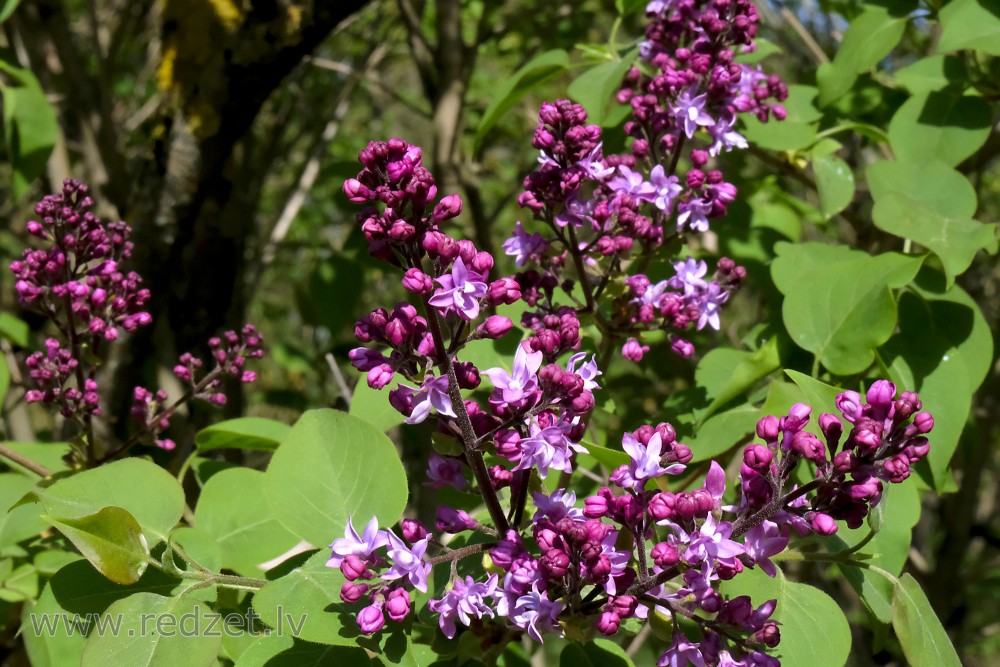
(804, 34)
(22, 460)
(338, 377)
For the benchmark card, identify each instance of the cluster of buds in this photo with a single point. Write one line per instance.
(51, 371)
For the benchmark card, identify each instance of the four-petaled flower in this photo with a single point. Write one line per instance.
(689, 111)
(644, 464)
(433, 393)
(521, 381)
(522, 245)
(466, 600)
(460, 291)
(408, 562)
(352, 544)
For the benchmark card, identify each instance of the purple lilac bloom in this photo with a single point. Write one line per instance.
(656, 7)
(690, 276)
(352, 544)
(631, 182)
(546, 448)
(710, 304)
(575, 212)
(521, 380)
(466, 600)
(522, 245)
(619, 560)
(712, 542)
(444, 472)
(587, 371)
(644, 464)
(592, 164)
(556, 506)
(693, 214)
(460, 291)
(681, 654)
(433, 393)
(725, 138)
(762, 542)
(690, 112)
(408, 562)
(535, 613)
(667, 188)
(653, 294)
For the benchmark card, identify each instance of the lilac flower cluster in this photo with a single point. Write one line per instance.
(77, 281)
(230, 354)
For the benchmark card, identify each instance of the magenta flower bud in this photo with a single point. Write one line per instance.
(664, 555)
(769, 635)
(822, 523)
(908, 403)
(924, 422)
(555, 562)
(413, 530)
(482, 262)
(35, 229)
(371, 619)
(503, 291)
(917, 449)
(768, 429)
(845, 462)
(595, 507)
(356, 192)
(832, 428)
(607, 623)
(449, 207)
(217, 398)
(897, 468)
(583, 403)
(737, 611)
(849, 404)
(451, 520)
(354, 568)
(808, 446)
(624, 605)
(867, 435)
(881, 393)
(682, 348)
(686, 506)
(600, 569)
(633, 350)
(661, 506)
(398, 604)
(417, 282)
(380, 376)
(496, 326)
(351, 592)
(548, 539)
(869, 489)
(507, 550)
(757, 457)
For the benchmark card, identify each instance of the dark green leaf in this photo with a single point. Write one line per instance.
(30, 126)
(944, 126)
(924, 641)
(283, 651)
(736, 375)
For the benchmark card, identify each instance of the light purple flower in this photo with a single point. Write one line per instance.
(444, 472)
(693, 214)
(710, 304)
(575, 212)
(644, 464)
(433, 393)
(408, 562)
(712, 542)
(521, 380)
(619, 560)
(666, 187)
(546, 448)
(466, 600)
(725, 138)
(762, 542)
(690, 276)
(556, 506)
(593, 166)
(689, 112)
(352, 544)
(681, 654)
(460, 291)
(656, 6)
(653, 294)
(537, 614)
(587, 371)
(631, 182)
(522, 245)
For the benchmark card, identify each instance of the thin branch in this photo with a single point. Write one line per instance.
(338, 377)
(805, 35)
(22, 460)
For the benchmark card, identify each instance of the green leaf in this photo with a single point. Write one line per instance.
(372, 405)
(52, 455)
(310, 594)
(13, 329)
(736, 374)
(155, 631)
(233, 510)
(970, 24)
(954, 240)
(929, 184)
(626, 7)
(199, 546)
(814, 630)
(30, 126)
(598, 653)
(243, 433)
(924, 641)
(21, 584)
(20, 523)
(330, 467)
(721, 432)
(838, 302)
(536, 71)
(945, 126)
(778, 136)
(834, 183)
(283, 651)
(146, 491)
(869, 38)
(609, 458)
(764, 49)
(56, 628)
(111, 540)
(7, 8)
(933, 74)
(597, 86)
(821, 396)
(801, 104)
